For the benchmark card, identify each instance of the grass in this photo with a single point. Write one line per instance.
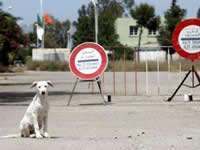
(118, 66)
(47, 66)
(173, 66)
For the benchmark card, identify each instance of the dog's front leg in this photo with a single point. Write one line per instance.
(36, 126)
(46, 126)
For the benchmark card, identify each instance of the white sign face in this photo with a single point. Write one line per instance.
(88, 61)
(189, 39)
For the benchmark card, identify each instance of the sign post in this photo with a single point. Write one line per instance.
(88, 62)
(186, 41)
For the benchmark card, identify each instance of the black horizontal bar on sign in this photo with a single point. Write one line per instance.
(184, 39)
(89, 60)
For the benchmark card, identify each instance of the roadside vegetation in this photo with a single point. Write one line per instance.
(47, 66)
(118, 66)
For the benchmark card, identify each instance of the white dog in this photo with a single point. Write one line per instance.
(35, 120)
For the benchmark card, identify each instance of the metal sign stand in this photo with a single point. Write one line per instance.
(194, 74)
(97, 80)
(185, 43)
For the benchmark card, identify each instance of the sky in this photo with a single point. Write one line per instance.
(67, 9)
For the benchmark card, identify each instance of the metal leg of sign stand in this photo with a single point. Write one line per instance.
(100, 90)
(70, 97)
(194, 74)
(97, 80)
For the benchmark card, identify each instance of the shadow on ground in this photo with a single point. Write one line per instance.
(14, 97)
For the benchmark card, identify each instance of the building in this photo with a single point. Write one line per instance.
(128, 33)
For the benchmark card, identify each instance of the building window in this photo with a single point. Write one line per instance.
(152, 32)
(133, 30)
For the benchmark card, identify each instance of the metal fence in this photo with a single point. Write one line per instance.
(150, 71)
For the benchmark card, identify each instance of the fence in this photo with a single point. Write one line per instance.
(150, 71)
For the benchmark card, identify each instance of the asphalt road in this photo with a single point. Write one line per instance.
(128, 123)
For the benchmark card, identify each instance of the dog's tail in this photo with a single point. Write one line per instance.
(10, 136)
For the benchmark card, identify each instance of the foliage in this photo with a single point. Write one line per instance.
(32, 38)
(109, 11)
(119, 52)
(129, 3)
(146, 18)
(172, 17)
(56, 34)
(3, 68)
(22, 54)
(11, 37)
(84, 26)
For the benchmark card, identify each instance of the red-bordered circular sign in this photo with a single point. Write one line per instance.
(186, 39)
(88, 61)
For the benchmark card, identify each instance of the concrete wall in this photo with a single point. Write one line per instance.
(159, 55)
(57, 54)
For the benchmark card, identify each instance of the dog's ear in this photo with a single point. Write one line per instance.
(33, 84)
(50, 83)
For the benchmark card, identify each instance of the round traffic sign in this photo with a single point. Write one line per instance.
(88, 61)
(186, 39)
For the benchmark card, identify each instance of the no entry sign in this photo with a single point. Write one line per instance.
(88, 61)
(186, 39)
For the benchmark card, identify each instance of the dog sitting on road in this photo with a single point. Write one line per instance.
(35, 120)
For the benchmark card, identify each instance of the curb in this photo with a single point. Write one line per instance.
(12, 84)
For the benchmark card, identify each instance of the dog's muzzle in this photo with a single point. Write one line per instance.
(43, 93)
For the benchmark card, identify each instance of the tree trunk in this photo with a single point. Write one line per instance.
(140, 37)
(4, 54)
(139, 42)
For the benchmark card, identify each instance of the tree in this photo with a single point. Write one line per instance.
(11, 37)
(146, 18)
(128, 5)
(84, 26)
(198, 13)
(56, 34)
(109, 11)
(172, 17)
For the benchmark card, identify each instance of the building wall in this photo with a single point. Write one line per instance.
(122, 29)
(57, 54)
